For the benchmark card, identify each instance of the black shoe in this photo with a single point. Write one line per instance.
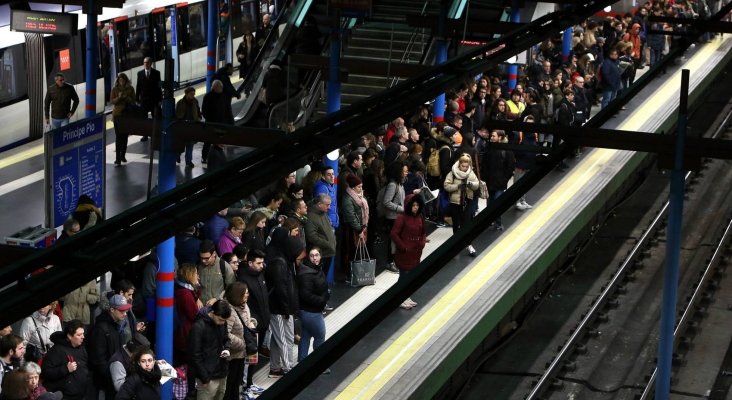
(143, 139)
(392, 268)
(124, 159)
(189, 165)
(117, 163)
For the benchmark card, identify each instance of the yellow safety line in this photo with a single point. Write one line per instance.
(390, 361)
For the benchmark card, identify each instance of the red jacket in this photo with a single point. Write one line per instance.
(187, 308)
(409, 236)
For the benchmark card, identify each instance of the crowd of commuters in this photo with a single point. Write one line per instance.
(251, 281)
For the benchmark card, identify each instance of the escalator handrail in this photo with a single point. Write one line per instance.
(410, 44)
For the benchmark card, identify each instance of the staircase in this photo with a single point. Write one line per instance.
(384, 37)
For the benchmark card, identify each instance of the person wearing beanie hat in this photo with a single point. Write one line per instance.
(356, 216)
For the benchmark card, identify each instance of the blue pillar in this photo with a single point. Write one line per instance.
(90, 107)
(438, 111)
(513, 68)
(673, 251)
(213, 9)
(333, 105)
(166, 249)
(566, 43)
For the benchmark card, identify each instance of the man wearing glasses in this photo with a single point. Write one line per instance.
(214, 274)
(58, 101)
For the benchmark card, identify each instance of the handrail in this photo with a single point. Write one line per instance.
(410, 45)
(255, 77)
(262, 51)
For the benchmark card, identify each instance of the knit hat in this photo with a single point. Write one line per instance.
(449, 131)
(353, 180)
(119, 302)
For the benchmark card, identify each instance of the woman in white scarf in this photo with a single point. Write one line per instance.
(460, 184)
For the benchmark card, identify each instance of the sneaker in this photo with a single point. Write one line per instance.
(406, 306)
(328, 307)
(256, 389)
(527, 205)
(327, 371)
(520, 206)
(276, 373)
(392, 268)
(441, 224)
(499, 227)
(248, 395)
(189, 164)
(410, 301)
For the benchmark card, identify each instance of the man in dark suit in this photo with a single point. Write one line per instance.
(149, 93)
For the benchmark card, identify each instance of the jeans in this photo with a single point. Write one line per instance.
(608, 95)
(312, 326)
(656, 55)
(493, 195)
(214, 390)
(59, 122)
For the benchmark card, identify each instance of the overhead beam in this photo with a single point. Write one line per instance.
(352, 66)
(475, 25)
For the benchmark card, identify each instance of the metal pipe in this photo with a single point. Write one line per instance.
(90, 107)
(211, 43)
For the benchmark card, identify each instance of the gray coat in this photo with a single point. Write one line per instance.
(393, 200)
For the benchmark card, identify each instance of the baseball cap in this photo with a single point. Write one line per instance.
(119, 302)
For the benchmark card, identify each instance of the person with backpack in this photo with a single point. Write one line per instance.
(214, 276)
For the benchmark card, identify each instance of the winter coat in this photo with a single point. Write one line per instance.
(214, 227)
(283, 298)
(242, 337)
(409, 237)
(312, 288)
(104, 341)
(55, 373)
(258, 297)
(212, 283)
(610, 72)
(500, 165)
(254, 240)
(319, 232)
(205, 344)
(453, 185)
(76, 303)
(393, 200)
(46, 326)
(331, 190)
(187, 308)
(186, 248)
(141, 385)
(122, 97)
(227, 242)
(352, 214)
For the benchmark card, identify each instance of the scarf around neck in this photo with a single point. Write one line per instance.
(359, 199)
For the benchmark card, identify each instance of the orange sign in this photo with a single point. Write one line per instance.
(64, 60)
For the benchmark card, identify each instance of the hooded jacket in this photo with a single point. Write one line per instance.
(55, 373)
(409, 236)
(312, 288)
(205, 344)
(258, 297)
(280, 273)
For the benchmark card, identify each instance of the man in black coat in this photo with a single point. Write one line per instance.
(65, 367)
(111, 331)
(224, 74)
(208, 347)
(148, 91)
(258, 300)
(216, 108)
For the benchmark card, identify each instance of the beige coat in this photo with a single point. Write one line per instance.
(76, 303)
(452, 185)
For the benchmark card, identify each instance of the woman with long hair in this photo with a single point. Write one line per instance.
(246, 52)
(409, 237)
(461, 184)
(313, 295)
(123, 94)
(143, 379)
(240, 327)
(392, 205)
(355, 210)
(253, 236)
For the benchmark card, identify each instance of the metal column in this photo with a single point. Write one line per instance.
(438, 108)
(673, 250)
(166, 249)
(90, 69)
(211, 35)
(333, 105)
(513, 68)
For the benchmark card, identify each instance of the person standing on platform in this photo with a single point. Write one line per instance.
(66, 366)
(312, 289)
(188, 109)
(214, 276)
(610, 78)
(460, 185)
(409, 237)
(111, 330)
(319, 232)
(148, 90)
(258, 302)
(209, 349)
(57, 106)
(123, 94)
(216, 108)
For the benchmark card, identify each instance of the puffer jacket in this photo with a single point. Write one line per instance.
(205, 343)
(76, 303)
(55, 373)
(453, 183)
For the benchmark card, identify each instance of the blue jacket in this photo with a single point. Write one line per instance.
(214, 227)
(610, 74)
(322, 186)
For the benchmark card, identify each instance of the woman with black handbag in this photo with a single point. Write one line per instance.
(36, 330)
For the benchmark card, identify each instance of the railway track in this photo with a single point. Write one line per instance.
(607, 348)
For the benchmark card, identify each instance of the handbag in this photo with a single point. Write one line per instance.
(363, 267)
(483, 190)
(34, 353)
(252, 359)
